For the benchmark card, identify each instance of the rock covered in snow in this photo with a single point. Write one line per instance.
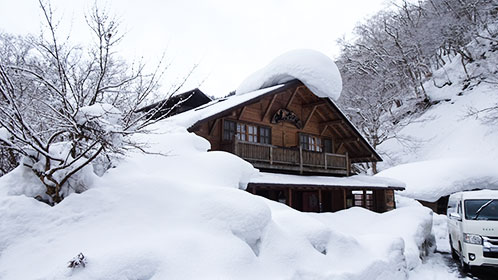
(316, 70)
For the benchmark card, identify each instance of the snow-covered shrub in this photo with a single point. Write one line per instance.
(78, 261)
(65, 108)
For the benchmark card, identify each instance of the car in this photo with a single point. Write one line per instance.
(473, 228)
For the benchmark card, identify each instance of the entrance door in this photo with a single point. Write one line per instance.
(310, 202)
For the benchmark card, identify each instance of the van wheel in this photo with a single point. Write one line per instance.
(454, 253)
(465, 267)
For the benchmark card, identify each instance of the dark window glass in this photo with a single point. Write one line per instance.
(228, 130)
(303, 141)
(481, 209)
(264, 135)
(327, 145)
(310, 142)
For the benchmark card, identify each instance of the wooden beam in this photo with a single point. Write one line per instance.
(267, 111)
(339, 147)
(349, 140)
(324, 129)
(242, 112)
(319, 103)
(333, 122)
(292, 97)
(213, 126)
(309, 116)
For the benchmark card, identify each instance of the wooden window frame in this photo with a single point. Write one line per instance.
(317, 146)
(256, 132)
(231, 133)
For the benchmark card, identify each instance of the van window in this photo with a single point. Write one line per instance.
(481, 209)
(451, 207)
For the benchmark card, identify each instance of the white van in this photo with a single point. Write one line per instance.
(473, 227)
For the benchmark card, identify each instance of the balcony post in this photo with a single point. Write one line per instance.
(325, 156)
(235, 146)
(271, 155)
(348, 168)
(300, 159)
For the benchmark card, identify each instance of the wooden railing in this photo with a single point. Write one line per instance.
(297, 158)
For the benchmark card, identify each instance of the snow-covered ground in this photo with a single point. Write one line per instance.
(185, 216)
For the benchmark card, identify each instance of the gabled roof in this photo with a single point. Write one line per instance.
(176, 104)
(220, 107)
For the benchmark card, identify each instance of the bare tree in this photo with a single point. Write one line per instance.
(64, 106)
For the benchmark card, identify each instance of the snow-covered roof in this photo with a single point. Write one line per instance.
(357, 181)
(433, 179)
(314, 69)
(218, 106)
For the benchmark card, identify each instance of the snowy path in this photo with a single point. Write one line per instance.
(440, 266)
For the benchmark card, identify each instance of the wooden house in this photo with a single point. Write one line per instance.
(303, 145)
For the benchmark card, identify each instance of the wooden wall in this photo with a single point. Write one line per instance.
(284, 134)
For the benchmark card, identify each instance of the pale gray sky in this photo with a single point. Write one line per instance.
(231, 39)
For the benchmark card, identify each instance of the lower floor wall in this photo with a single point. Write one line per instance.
(438, 206)
(327, 199)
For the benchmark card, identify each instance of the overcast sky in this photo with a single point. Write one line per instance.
(230, 39)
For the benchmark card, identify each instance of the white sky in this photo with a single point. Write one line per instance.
(230, 39)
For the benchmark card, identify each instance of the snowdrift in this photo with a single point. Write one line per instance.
(185, 215)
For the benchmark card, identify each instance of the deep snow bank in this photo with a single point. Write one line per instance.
(184, 216)
(316, 70)
(443, 177)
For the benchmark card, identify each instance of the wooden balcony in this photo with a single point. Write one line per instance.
(295, 160)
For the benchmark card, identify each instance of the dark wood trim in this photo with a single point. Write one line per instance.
(324, 129)
(309, 116)
(315, 104)
(292, 97)
(317, 187)
(267, 111)
(333, 122)
(241, 112)
(213, 126)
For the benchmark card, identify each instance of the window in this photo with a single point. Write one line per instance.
(327, 145)
(264, 135)
(363, 199)
(228, 130)
(246, 132)
(310, 142)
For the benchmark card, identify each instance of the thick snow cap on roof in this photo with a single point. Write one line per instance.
(314, 69)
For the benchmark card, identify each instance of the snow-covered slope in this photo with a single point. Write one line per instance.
(448, 150)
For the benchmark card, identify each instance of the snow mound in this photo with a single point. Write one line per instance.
(444, 176)
(316, 70)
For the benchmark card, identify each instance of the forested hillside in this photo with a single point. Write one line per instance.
(400, 55)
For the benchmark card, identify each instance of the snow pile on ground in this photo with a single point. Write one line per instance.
(316, 70)
(432, 179)
(185, 216)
